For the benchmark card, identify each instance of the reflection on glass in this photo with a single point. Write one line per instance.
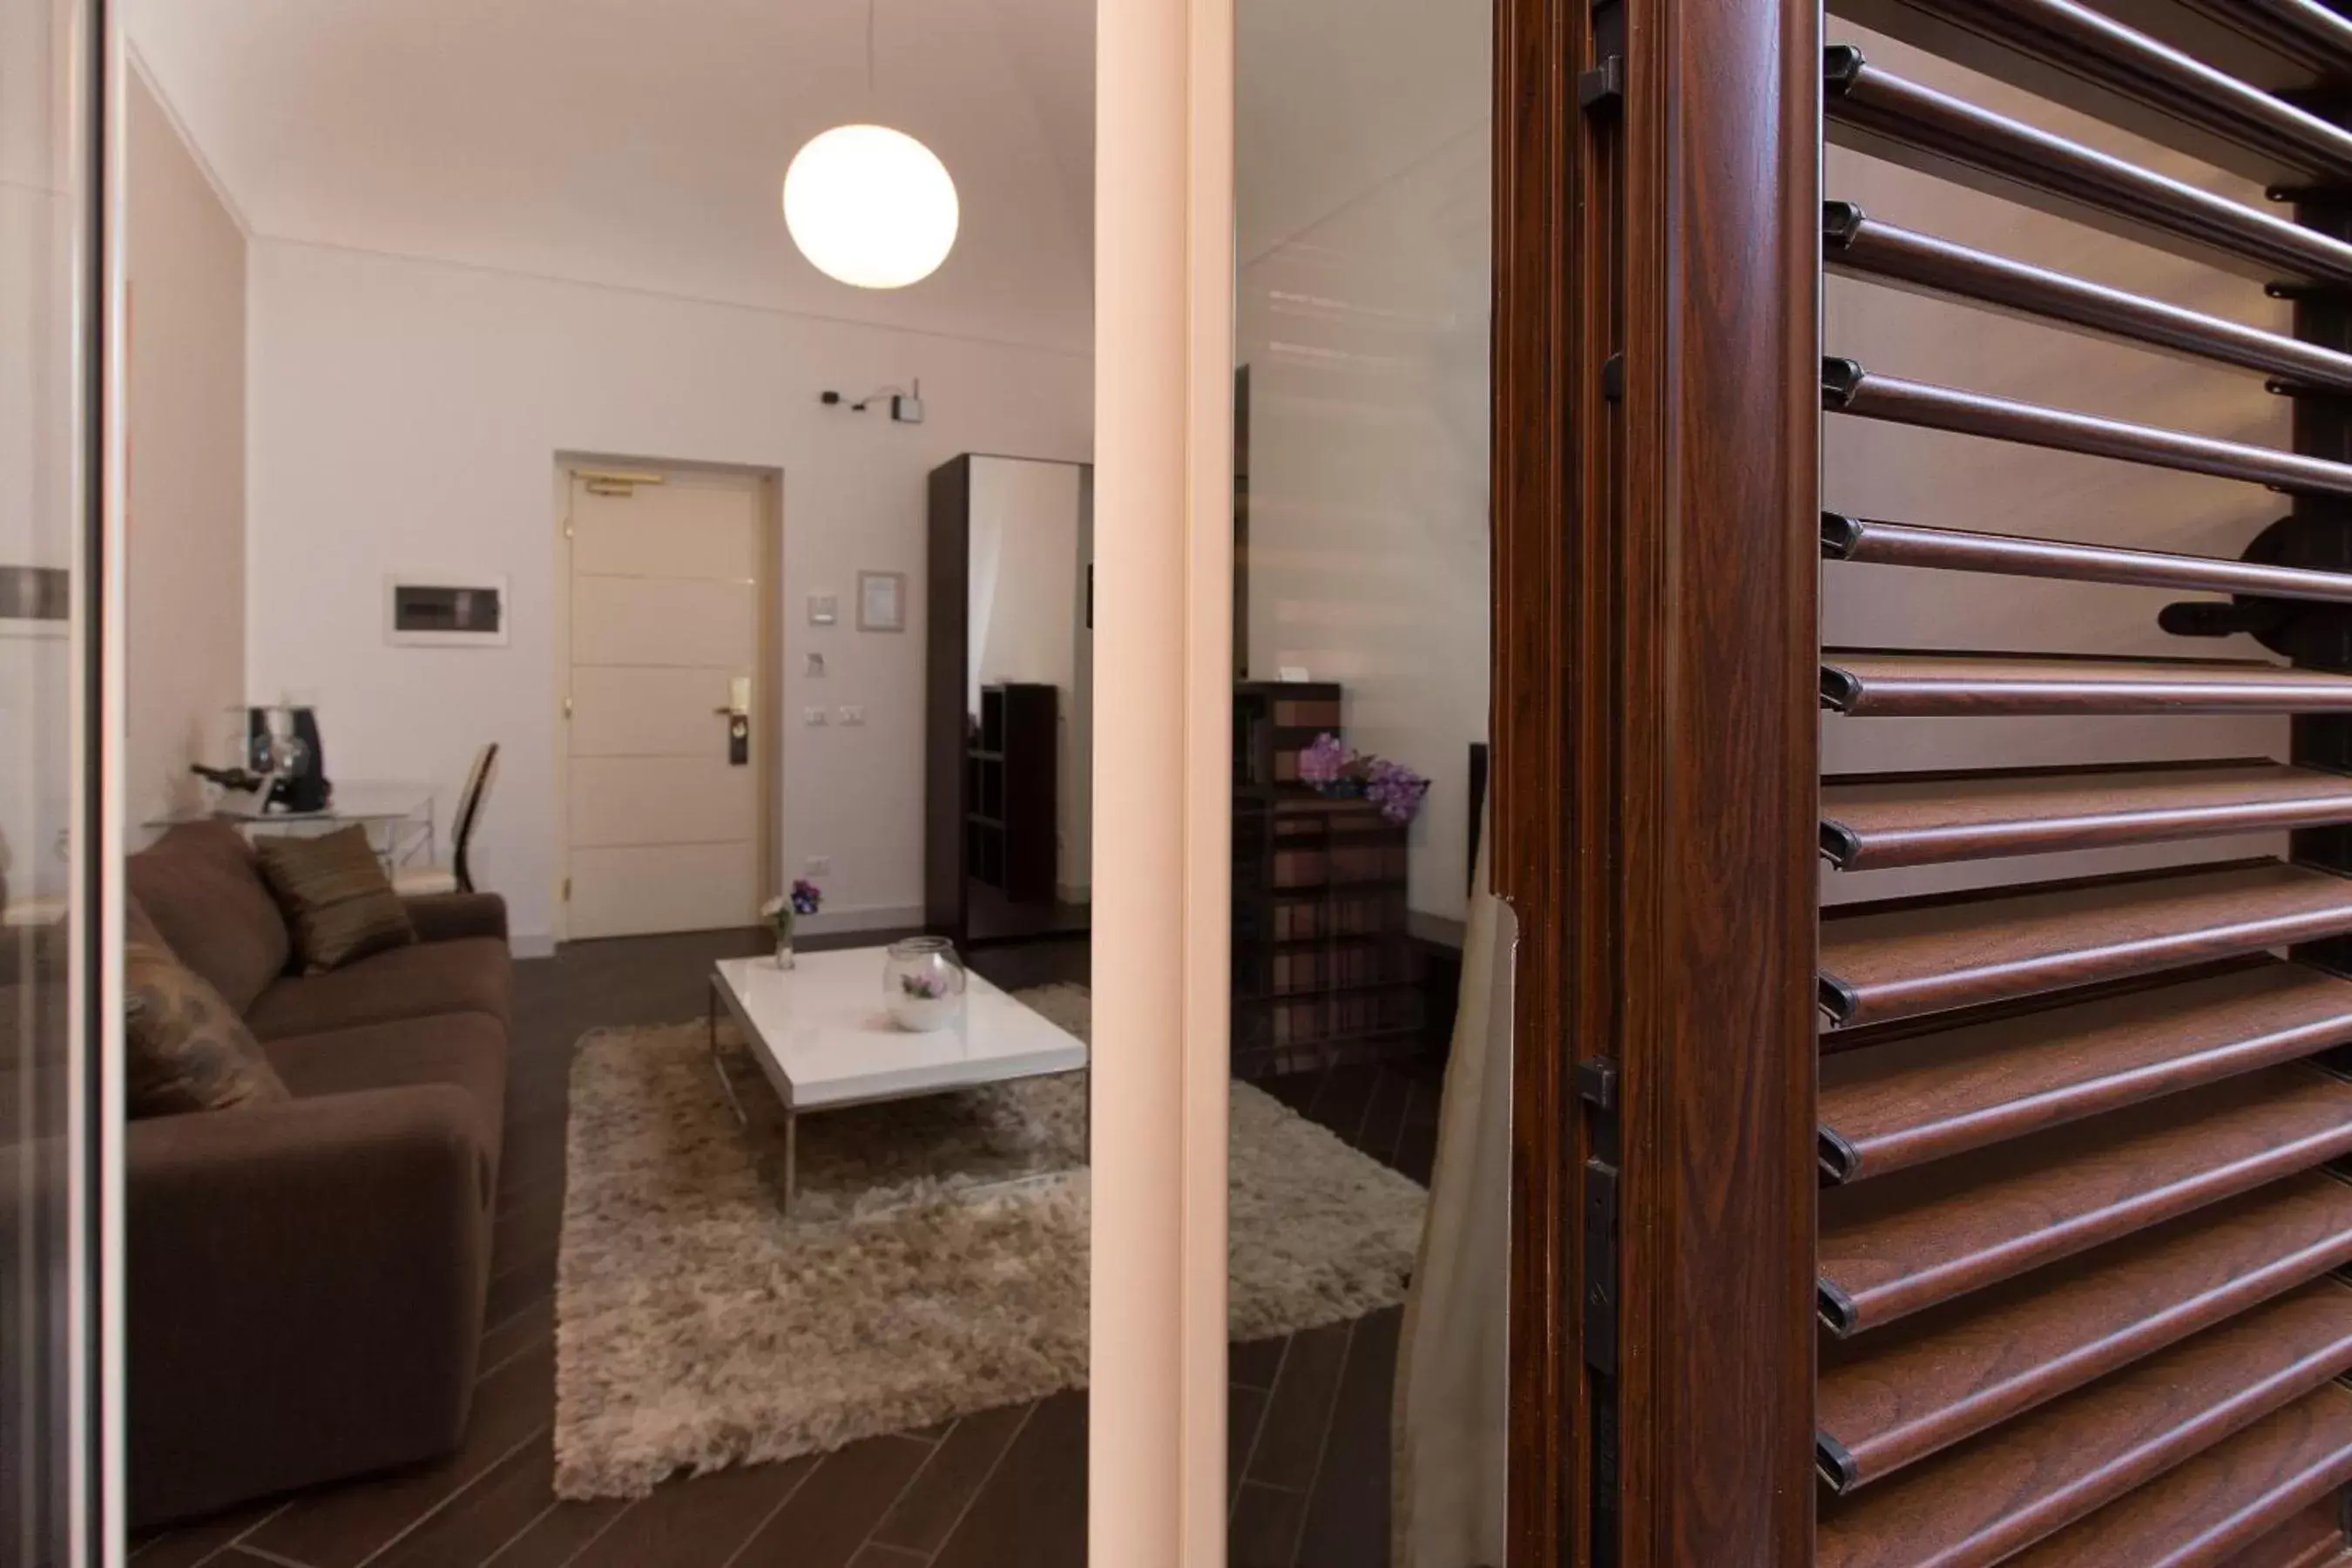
(1010, 716)
(41, 210)
(1371, 973)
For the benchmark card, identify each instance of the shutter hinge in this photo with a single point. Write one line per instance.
(1601, 89)
(1596, 1082)
(1612, 378)
(567, 705)
(567, 889)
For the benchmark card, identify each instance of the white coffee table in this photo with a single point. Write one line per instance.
(824, 1039)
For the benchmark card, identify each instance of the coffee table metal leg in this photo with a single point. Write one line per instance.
(792, 1155)
(718, 1064)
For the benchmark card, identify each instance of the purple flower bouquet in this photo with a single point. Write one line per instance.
(1332, 767)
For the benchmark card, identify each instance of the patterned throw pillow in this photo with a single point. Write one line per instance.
(337, 901)
(186, 1049)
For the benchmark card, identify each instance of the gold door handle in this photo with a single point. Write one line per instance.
(724, 713)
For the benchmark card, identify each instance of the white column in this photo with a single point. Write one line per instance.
(1163, 519)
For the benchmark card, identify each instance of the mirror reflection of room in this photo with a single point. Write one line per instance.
(49, 1231)
(1371, 965)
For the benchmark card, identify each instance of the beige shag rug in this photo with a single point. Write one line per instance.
(934, 1263)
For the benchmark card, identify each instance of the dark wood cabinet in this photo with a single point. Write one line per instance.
(1324, 969)
(1010, 799)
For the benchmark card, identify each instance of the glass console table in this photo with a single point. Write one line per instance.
(400, 818)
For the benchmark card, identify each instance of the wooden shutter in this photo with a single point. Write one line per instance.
(2009, 1224)
(2083, 1234)
(1657, 403)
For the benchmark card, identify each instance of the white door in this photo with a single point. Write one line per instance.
(662, 805)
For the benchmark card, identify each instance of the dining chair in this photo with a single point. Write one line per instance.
(456, 877)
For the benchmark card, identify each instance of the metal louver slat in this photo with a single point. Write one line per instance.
(1914, 956)
(1890, 1399)
(2223, 1500)
(1870, 682)
(1927, 1236)
(1876, 112)
(2072, 54)
(2023, 1482)
(1922, 819)
(1848, 388)
(1860, 246)
(1872, 542)
(1941, 1092)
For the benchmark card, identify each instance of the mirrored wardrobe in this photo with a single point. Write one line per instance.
(1008, 742)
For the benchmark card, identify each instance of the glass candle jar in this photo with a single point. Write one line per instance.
(923, 980)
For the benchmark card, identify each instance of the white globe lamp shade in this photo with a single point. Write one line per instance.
(870, 207)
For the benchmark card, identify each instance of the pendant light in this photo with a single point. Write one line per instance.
(868, 205)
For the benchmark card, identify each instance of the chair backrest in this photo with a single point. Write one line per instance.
(469, 812)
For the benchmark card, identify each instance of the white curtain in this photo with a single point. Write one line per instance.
(1453, 1377)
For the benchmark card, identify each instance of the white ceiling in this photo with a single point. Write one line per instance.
(642, 143)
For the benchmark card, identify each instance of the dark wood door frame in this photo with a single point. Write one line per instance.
(1655, 466)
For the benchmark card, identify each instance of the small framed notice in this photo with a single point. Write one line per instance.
(881, 601)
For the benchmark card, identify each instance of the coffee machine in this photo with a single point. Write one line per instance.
(282, 744)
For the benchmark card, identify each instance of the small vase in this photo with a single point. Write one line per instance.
(784, 945)
(923, 983)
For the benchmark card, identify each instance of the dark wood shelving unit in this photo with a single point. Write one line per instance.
(1324, 970)
(1009, 790)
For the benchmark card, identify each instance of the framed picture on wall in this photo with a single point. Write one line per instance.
(881, 601)
(35, 601)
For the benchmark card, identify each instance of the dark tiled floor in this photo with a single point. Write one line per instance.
(996, 1490)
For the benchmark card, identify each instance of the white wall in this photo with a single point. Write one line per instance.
(184, 620)
(1365, 336)
(1915, 476)
(407, 413)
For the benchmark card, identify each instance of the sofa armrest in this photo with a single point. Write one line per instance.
(232, 1166)
(445, 917)
(305, 1290)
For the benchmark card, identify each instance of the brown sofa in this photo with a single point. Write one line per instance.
(306, 1279)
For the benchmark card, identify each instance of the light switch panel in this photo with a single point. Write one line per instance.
(824, 609)
(814, 716)
(853, 713)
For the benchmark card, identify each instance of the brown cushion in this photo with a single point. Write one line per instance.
(185, 1046)
(470, 974)
(466, 1050)
(337, 898)
(198, 885)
